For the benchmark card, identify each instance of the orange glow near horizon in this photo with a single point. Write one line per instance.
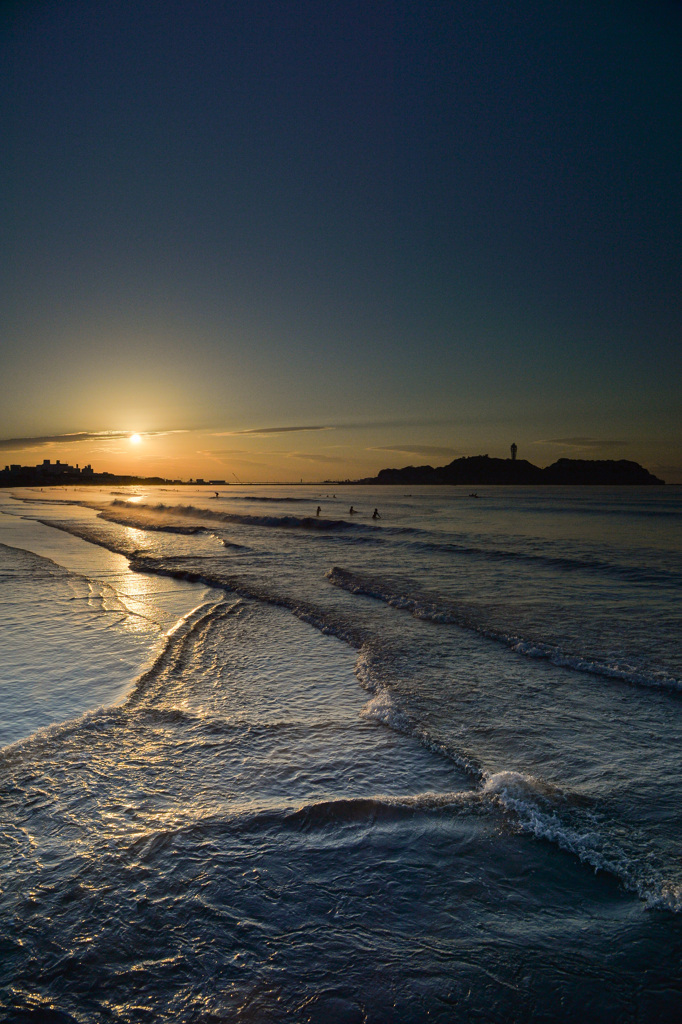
(317, 456)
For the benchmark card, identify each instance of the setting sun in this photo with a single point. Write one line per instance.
(135, 438)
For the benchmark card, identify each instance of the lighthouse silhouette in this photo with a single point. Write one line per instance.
(513, 452)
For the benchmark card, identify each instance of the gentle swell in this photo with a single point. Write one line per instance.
(596, 566)
(423, 606)
(146, 517)
(382, 806)
(254, 497)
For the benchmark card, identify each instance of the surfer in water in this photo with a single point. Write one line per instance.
(319, 509)
(351, 511)
(375, 514)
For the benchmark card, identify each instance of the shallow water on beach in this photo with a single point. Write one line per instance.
(264, 765)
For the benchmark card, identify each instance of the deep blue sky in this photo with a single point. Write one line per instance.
(434, 228)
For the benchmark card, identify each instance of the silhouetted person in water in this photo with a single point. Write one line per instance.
(375, 514)
(351, 511)
(319, 509)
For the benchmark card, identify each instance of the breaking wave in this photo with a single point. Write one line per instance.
(538, 810)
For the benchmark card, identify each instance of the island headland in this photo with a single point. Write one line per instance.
(477, 470)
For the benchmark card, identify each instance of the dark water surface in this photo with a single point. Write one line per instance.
(425, 768)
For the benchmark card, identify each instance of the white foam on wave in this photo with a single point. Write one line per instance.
(540, 808)
(625, 673)
(537, 809)
(385, 708)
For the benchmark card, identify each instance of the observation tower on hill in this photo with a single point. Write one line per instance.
(513, 452)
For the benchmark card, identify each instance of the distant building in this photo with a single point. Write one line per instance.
(56, 468)
(59, 473)
(513, 452)
(45, 472)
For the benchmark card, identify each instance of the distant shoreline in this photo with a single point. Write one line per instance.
(470, 471)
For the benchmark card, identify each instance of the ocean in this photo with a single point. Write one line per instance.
(264, 765)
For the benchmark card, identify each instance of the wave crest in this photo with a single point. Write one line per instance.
(441, 611)
(156, 517)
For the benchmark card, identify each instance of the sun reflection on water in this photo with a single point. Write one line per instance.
(137, 538)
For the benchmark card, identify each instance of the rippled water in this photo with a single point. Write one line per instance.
(333, 768)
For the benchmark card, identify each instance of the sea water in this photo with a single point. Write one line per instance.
(265, 765)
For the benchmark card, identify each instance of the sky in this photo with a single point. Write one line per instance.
(285, 239)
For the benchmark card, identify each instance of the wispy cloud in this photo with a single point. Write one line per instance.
(409, 422)
(414, 449)
(312, 457)
(358, 425)
(582, 442)
(9, 444)
(19, 443)
(268, 453)
(224, 451)
(264, 431)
